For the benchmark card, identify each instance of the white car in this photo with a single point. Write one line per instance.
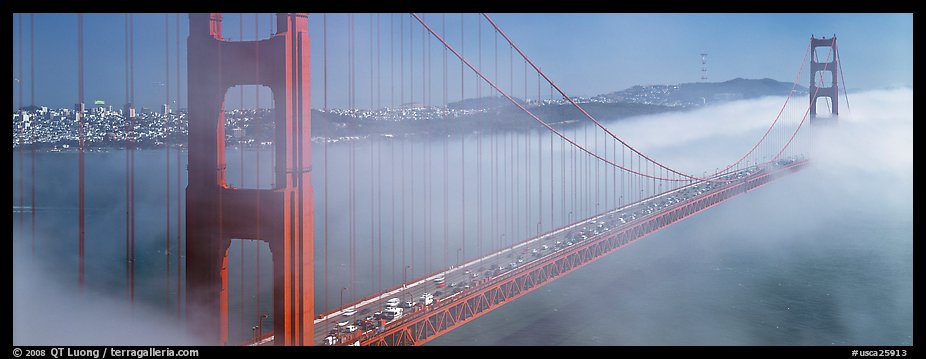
(427, 298)
(392, 303)
(349, 312)
(350, 328)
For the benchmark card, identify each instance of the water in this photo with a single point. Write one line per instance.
(821, 257)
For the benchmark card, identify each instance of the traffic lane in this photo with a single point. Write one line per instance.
(362, 312)
(460, 278)
(463, 276)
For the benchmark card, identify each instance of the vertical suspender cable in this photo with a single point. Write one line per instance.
(446, 135)
(402, 154)
(379, 163)
(167, 160)
(372, 208)
(241, 185)
(351, 75)
(463, 145)
(562, 155)
(126, 114)
(179, 145)
(527, 172)
(479, 180)
(32, 128)
(22, 123)
(80, 147)
(411, 100)
(132, 155)
(429, 187)
(392, 161)
(221, 173)
(326, 138)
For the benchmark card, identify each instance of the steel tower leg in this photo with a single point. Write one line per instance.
(216, 212)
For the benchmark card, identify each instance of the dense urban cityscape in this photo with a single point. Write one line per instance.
(108, 127)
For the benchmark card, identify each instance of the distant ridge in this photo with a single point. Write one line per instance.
(703, 93)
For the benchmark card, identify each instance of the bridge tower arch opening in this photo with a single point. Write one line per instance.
(824, 80)
(282, 215)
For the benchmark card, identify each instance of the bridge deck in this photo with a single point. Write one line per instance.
(483, 284)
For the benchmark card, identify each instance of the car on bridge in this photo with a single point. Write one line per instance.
(427, 298)
(392, 313)
(331, 340)
(392, 303)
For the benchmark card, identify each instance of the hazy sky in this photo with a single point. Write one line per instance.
(586, 54)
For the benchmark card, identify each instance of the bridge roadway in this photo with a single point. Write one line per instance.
(462, 281)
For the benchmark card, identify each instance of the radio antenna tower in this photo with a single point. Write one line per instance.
(704, 66)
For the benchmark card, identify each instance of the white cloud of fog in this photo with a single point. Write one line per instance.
(47, 311)
(878, 129)
(821, 257)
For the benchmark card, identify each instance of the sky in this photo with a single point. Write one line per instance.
(585, 54)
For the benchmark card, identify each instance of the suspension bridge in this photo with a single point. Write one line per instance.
(444, 221)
